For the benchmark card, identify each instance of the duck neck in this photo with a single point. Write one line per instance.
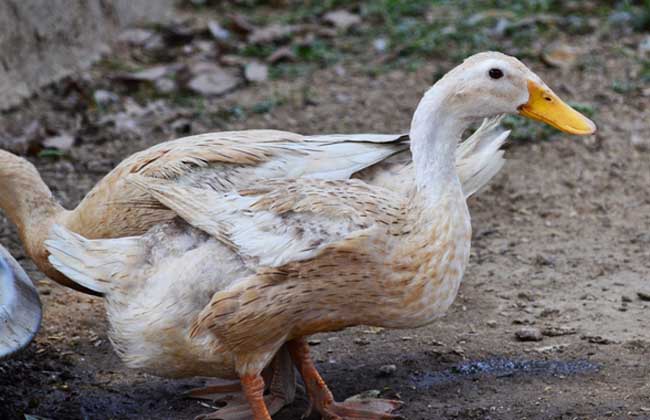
(28, 203)
(435, 133)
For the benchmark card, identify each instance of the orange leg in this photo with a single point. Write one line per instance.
(253, 386)
(281, 383)
(321, 398)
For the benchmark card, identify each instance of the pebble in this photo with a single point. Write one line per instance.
(61, 142)
(387, 370)
(361, 341)
(626, 299)
(491, 323)
(165, 85)
(256, 72)
(105, 97)
(313, 342)
(529, 334)
(217, 31)
(216, 82)
(645, 296)
(380, 45)
(552, 331)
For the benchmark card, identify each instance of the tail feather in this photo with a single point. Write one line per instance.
(480, 158)
(92, 263)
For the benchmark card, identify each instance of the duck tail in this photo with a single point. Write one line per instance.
(480, 158)
(92, 264)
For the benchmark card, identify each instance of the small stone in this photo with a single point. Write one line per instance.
(213, 80)
(549, 312)
(645, 296)
(256, 72)
(529, 334)
(597, 339)
(560, 55)
(373, 330)
(626, 299)
(217, 31)
(147, 75)
(387, 370)
(552, 331)
(365, 395)
(361, 341)
(526, 296)
(182, 126)
(491, 323)
(380, 45)
(313, 342)
(639, 142)
(271, 33)
(105, 97)
(165, 86)
(61, 142)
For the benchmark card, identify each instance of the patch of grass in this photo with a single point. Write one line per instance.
(420, 30)
(623, 86)
(267, 105)
(524, 129)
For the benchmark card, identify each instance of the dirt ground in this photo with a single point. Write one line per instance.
(561, 243)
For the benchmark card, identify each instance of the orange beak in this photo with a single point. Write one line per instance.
(545, 106)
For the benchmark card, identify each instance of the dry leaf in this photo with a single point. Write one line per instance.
(342, 19)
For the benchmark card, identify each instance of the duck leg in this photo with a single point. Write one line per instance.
(281, 377)
(321, 398)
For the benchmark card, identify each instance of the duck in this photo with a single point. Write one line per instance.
(235, 159)
(238, 275)
(20, 307)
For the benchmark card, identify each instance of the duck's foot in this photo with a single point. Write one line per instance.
(322, 400)
(370, 409)
(280, 376)
(214, 391)
(238, 408)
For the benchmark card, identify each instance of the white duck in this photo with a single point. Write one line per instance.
(251, 270)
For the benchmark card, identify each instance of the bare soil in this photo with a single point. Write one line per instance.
(561, 243)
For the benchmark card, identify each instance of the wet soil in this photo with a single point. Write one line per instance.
(561, 243)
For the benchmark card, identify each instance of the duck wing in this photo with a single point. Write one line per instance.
(223, 161)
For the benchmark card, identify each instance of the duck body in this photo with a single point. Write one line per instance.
(288, 257)
(154, 302)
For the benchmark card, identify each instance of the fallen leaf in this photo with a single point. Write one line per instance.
(240, 24)
(147, 75)
(135, 37)
(342, 19)
(560, 55)
(216, 81)
(281, 54)
(271, 33)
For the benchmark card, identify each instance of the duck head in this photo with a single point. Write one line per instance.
(491, 83)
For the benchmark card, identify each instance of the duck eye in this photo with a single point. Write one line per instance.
(496, 73)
